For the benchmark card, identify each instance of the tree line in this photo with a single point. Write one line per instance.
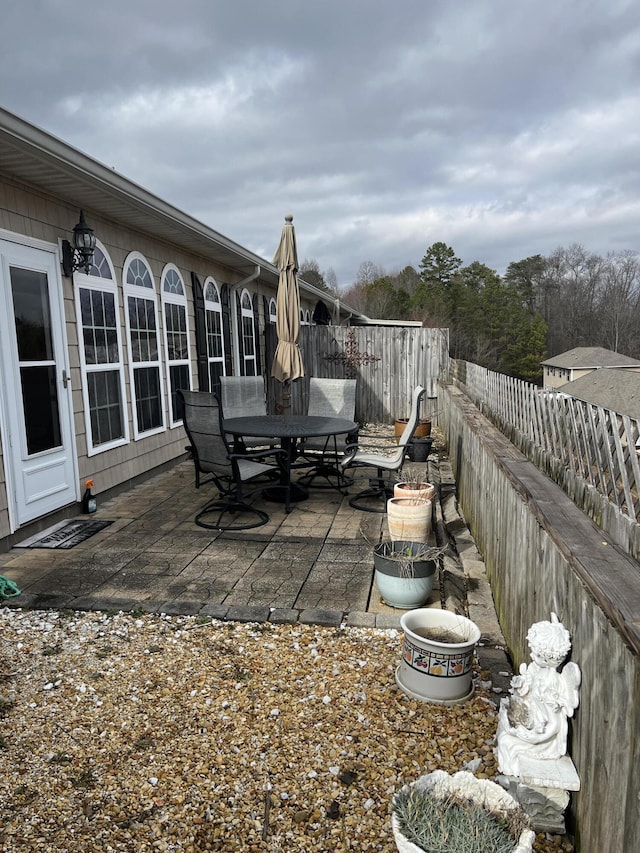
(540, 307)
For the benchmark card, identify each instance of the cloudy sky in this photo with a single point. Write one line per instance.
(504, 128)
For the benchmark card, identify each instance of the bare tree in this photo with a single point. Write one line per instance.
(368, 272)
(619, 302)
(331, 281)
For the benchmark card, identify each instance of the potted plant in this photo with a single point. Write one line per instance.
(411, 484)
(404, 572)
(456, 813)
(409, 518)
(423, 429)
(420, 448)
(437, 656)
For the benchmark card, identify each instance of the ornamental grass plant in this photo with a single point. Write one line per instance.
(455, 824)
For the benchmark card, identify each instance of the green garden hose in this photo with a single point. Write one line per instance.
(7, 588)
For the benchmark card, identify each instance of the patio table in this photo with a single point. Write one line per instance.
(288, 429)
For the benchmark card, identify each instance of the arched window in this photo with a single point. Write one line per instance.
(247, 331)
(307, 317)
(100, 350)
(215, 335)
(176, 337)
(272, 311)
(144, 351)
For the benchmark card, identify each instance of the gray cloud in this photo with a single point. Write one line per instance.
(504, 129)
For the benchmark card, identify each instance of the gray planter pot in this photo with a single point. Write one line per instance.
(403, 582)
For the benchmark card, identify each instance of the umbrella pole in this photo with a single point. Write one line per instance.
(286, 398)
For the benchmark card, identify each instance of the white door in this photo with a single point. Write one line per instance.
(35, 395)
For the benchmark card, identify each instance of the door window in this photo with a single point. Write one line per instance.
(30, 294)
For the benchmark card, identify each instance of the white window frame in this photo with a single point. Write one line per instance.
(101, 279)
(147, 293)
(171, 278)
(247, 313)
(273, 315)
(213, 306)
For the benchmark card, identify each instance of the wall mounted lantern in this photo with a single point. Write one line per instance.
(80, 254)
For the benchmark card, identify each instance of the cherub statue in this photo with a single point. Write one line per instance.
(533, 720)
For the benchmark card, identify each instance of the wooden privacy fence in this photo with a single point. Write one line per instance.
(590, 451)
(387, 361)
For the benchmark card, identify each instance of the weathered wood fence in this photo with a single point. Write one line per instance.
(387, 361)
(543, 555)
(591, 452)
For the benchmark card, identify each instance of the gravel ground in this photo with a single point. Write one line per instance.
(152, 733)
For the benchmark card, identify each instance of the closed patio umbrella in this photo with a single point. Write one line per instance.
(287, 361)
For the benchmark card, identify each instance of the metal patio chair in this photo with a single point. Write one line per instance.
(229, 471)
(335, 398)
(244, 396)
(374, 498)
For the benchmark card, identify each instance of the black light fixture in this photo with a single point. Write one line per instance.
(80, 255)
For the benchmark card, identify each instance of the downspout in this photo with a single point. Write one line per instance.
(234, 314)
(254, 275)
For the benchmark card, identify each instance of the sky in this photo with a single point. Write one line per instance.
(503, 128)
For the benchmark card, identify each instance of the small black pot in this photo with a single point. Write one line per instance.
(419, 449)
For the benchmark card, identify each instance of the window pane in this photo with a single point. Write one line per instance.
(247, 335)
(104, 406)
(100, 266)
(31, 309)
(113, 356)
(40, 402)
(214, 334)
(172, 283)
(89, 346)
(98, 307)
(147, 390)
(85, 307)
(179, 378)
(176, 332)
(216, 370)
(142, 322)
(138, 274)
(99, 326)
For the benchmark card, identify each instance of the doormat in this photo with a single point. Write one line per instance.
(65, 535)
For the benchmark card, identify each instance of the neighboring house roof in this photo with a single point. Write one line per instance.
(36, 157)
(589, 358)
(611, 388)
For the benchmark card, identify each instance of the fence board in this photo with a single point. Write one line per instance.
(387, 361)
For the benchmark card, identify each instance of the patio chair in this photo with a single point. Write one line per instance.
(229, 471)
(374, 498)
(336, 398)
(243, 396)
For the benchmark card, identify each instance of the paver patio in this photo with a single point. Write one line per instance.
(313, 566)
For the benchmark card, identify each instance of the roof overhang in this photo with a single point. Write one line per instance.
(35, 157)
